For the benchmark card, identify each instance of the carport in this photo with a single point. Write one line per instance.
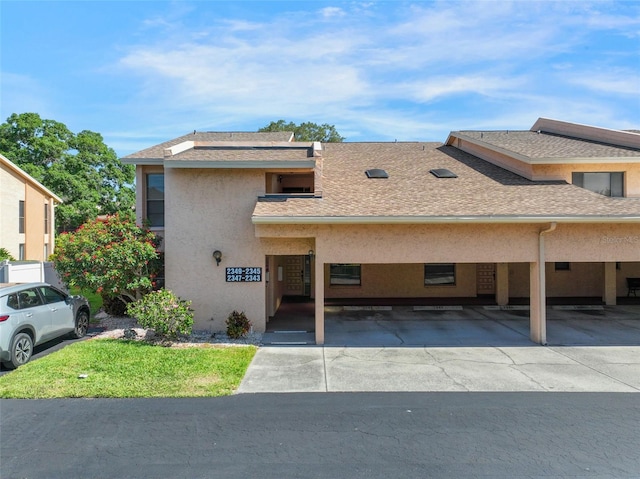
(462, 326)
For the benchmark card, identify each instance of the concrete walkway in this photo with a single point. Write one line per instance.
(535, 368)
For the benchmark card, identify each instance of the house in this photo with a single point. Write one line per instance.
(248, 219)
(27, 208)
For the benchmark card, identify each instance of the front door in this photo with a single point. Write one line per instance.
(294, 276)
(486, 278)
(297, 276)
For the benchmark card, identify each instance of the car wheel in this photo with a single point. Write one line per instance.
(82, 324)
(21, 351)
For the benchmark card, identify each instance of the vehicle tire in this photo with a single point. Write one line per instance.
(82, 324)
(21, 351)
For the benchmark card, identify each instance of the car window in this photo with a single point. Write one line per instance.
(51, 295)
(12, 301)
(29, 298)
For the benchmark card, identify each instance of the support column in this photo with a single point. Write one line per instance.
(538, 309)
(502, 284)
(610, 286)
(319, 299)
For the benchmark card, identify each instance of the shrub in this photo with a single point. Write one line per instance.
(111, 256)
(238, 325)
(163, 312)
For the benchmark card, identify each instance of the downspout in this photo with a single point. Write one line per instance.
(542, 306)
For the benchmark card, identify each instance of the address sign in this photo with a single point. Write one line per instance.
(244, 275)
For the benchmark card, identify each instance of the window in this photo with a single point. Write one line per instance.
(440, 274)
(155, 199)
(21, 252)
(341, 274)
(29, 298)
(51, 295)
(21, 216)
(46, 218)
(607, 184)
(46, 251)
(563, 266)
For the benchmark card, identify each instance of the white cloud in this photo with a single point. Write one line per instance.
(355, 72)
(330, 12)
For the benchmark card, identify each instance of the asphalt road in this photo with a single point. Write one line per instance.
(350, 435)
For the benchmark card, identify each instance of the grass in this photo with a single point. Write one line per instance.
(95, 300)
(126, 369)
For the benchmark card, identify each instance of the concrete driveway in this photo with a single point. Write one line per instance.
(590, 350)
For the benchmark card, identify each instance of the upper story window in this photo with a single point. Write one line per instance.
(46, 218)
(21, 216)
(155, 199)
(607, 184)
(289, 183)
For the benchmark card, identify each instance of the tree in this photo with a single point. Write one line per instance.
(79, 168)
(109, 256)
(306, 131)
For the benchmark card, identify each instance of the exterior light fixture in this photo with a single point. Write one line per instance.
(217, 255)
(311, 253)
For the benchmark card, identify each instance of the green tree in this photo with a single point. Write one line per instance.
(110, 256)
(306, 131)
(79, 168)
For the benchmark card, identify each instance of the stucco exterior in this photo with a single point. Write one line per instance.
(292, 210)
(38, 238)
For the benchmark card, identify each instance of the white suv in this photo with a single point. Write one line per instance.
(33, 313)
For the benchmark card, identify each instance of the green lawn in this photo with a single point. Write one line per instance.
(95, 300)
(118, 368)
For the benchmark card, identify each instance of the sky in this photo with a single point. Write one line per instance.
(144, 72)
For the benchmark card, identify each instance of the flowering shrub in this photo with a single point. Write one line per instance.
(238, 325)
(163, 312)
(109, 256)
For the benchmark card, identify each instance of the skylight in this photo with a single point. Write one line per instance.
(443, 173)
(376, 173)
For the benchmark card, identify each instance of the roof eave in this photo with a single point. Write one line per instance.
(266, 164)
(442, 219)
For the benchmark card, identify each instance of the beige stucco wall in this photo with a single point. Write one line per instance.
(208, 210)
(583, 279)
(563, 172)
(401, 281)
(12, 190)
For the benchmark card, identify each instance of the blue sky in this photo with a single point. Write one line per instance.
(144, 72)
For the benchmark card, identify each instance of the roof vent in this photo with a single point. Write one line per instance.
(376, 173)
(443, 173)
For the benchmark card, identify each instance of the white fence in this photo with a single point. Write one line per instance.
(29, 272)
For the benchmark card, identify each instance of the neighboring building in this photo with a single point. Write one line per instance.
(488, 214)
(27, 208)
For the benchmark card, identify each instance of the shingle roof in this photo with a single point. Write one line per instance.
(157, 151)
(547, 145)
(480, 190)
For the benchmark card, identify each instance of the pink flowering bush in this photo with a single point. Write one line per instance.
(163, 312)
(113, 257)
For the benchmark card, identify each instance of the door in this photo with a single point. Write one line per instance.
(294, 276)
(485, 278)
(62, 319)
(298, 276)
